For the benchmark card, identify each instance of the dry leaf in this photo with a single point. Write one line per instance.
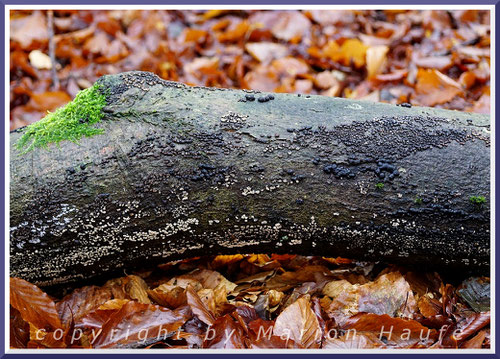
(28, 29)
(137, 323)
(137, 289)
(299, 323)
(198, 307)
(376, 57)
(34, 305)
(80, 302)
(434, 88)
(352, 340)
(266, 51)
(168, 296)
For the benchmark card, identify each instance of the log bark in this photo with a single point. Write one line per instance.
(185, 171)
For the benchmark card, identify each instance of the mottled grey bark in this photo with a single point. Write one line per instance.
(184, 171)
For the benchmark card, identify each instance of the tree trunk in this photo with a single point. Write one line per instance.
(186, 171)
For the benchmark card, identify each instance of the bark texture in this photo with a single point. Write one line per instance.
(184, 171)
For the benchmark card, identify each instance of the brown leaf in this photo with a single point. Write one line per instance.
(136, 324)
(168, 296)
(289, 66)
(48, 101)
(434, 62)
(113, 304)
(28, 29)
(225, 333)
(34, 305)
(363, 340)
(261, 336)
(336, 287)
(262, 79)
(389, 294)
(480, 321)
(266, 51)
(299, 323)
(198, 307)
(476, 342)
(396, 330)
(284, 25)
(332, 17)
(81, 301)
(429, 306)
(482, 105)
(210, 279)
(19, 330)
(137, 289)
(325, 80)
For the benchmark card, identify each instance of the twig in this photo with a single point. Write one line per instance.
(50, 20)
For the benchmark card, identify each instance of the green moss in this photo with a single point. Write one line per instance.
(478, 200)
(70, 122)
(418, 200)
(379, 185)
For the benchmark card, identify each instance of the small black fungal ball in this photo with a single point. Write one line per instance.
(298, 177)
(290, 171)
(299, 201)
(404, 104)
(270, 97)
(83, 166)
(263, 99)
(338, 171)
(290, 130)
(249, 97)
(70, 170)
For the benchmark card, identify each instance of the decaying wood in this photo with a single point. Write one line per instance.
(184, 171)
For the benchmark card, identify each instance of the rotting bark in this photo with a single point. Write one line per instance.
(184, 171)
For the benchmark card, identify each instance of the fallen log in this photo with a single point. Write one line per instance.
(172, 171)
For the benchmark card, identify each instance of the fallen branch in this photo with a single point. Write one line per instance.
(181, 171)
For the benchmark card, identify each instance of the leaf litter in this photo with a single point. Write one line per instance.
(257, 301)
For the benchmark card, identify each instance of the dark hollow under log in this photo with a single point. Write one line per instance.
(184, 171)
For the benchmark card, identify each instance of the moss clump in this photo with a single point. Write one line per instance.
(477, 200)
(70, 122)
(379, 185)
(418, 200)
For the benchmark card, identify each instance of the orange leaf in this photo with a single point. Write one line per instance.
(48, 101)
(434, 88)
(34, 305)
(352, 50)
